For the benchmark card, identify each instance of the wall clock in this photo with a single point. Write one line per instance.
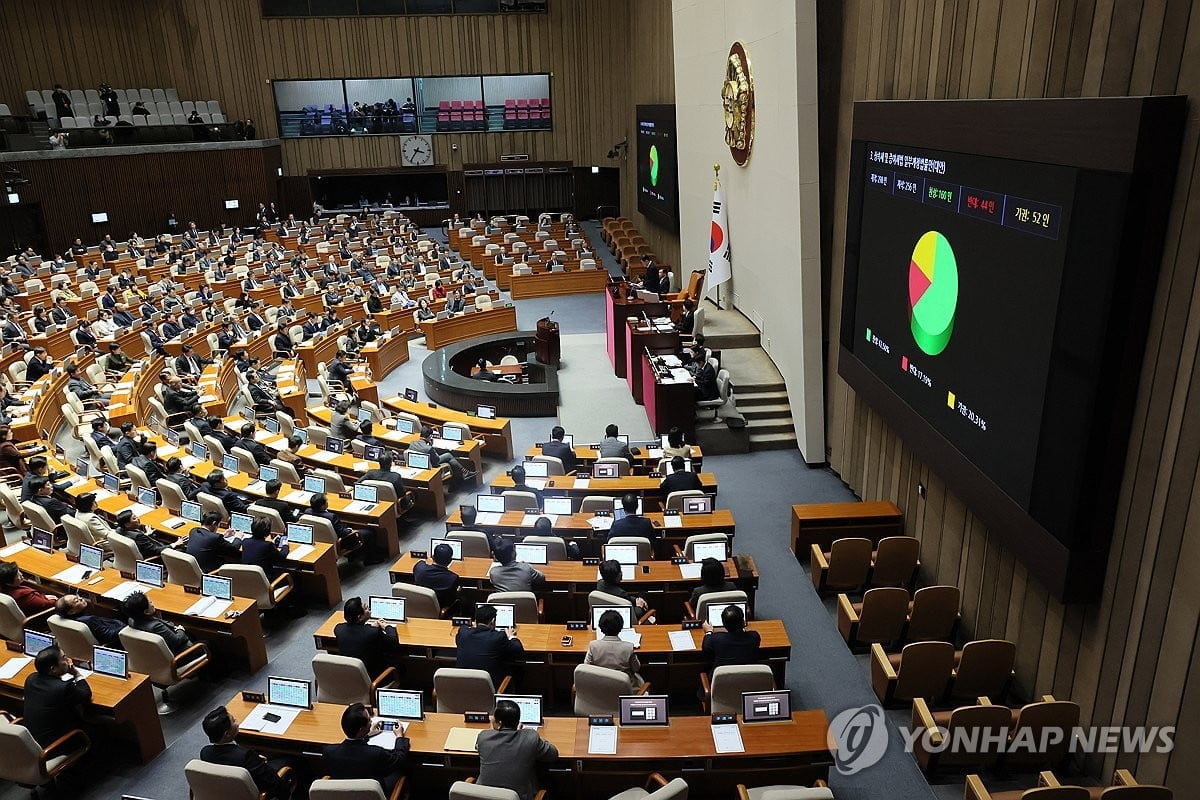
(737, 98)
(416, 150)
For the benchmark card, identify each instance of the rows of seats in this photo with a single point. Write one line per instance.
(461, 115)
(527, 112)
(164, 106)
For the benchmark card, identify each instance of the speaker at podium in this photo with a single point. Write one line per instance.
(545, 341)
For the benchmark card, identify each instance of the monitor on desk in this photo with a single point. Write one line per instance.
(405, 425)
(365, 415)
(490, 503)
(299, 533)
(191, 511)
(314, 484)
(366, 494)
(621, 553)
(619, 510)
(399, 704)
(452, 433)
(536, 469)
(110, 661)
(172, 438)
(568, 439)
(291, 692)
(606, 470)
(485, 412)
(416, 460)
(241, 522)
(506, 615)
(335, 445)
(271, 425)
(557, 505)
(687, 466)
(149, 574)
(83, 467)
(703, 550)
(372, 452)
(266, 473)
(216, 586)
(530, 705)
(91, 557)
(112, 483)
(716, 609)
(626, 612)
(386, 607)
(302, 434)
(532, 553)
(35, 642)
(199, 450)
(410, 395)
(147, 496)
(41, 539)
(769, 706)
(698, 504)
(230, 463)
(455, 547)
(650, 709)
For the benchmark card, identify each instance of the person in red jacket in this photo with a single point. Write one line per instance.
(29, 598)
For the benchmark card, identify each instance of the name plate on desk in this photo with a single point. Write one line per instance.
(418, 553)
(191, 589)
(254, 697)
(577, 625)
(591, 562)
(476, 716)
(604, 719)
(691, 624)
(724, 719)
(460, 622)
(679, 559)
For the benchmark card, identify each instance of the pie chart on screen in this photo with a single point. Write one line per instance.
(932, 292)
(654, 165)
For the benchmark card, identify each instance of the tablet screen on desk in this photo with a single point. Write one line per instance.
(417, 460)
(455, 547)
(399, 704)
(703, 550)
(772, 706)
(241, 522)
(299, 533)
(147, 496)
(532, 553)
(190, 510)
(536, 469)
(491, 503)
(452, 433)
(289, 692)
(366, 494)
(230, 463)
(505, 614)
(530, 705)
(266, 473)
(485, 412)
(557, 505)
(716, 609)
(621, 553)
(108, 661)
(314, 484)
(626, 613)
(199, 451)
(91, 557)
(405, 425)
(648, 709)
(602, 470)
(697, 504)
(216, 586)
(148, 573)
(385, 607)
(35, 642)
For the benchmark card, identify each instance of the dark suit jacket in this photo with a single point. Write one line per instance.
(371, 645)
(254, 762)
(211, 550)
(724, 648)
(386, 477)
(287, 511)
(563, 453)
(634, 525)
(262, 553)
(256, 449)
(680, 481)
(441, 579)
(487, 649)
(355, 758)
(52, 706)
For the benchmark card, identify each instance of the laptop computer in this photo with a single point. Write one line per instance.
(149, 574)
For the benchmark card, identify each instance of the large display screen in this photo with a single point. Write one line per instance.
(960, 264)
(657, 165)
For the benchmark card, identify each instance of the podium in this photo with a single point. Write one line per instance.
(545, 342)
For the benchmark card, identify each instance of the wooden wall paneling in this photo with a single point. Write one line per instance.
(1121, 48)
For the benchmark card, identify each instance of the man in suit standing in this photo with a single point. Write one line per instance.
(509, 753)
(357, 758)
(481, 646)
(612, 447)
(369, 640)
(559, 449)
(272, 777)
(438, 576)
(209, 547)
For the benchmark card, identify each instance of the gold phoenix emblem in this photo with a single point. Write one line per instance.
(737, 97)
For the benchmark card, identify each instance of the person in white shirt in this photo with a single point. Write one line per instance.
(103, 327)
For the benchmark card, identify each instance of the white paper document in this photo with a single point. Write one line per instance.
(528, 520)
(689, 572)
(673, 521)
(298, 496)
(536, 483)
(408, 473)
(384, 739)
(323, 455)
(13, 549)
(602, 740)
(14, 665)
(600, 523)
(140, 510)
(360, 506)
(124, 589)
(626, 635)
(210, 607)
(299, 552)
(681, 640)
(582, 483)
(257, 720)
(76, 573)
(728, 739)
(488, 517)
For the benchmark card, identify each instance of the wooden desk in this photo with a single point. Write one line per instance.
(787, 753)
(130, 703)
(822, 523)
(238, 641)
(646, 460)
(553, 284)
(616, 310)
(668, 404)
(321, 351)
(496, 433)
(384, 356)
(568, 584)
(575, 527)
(637, 341)
(642, 485)
(441, 332)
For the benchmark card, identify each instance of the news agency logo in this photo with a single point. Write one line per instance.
(858, 738)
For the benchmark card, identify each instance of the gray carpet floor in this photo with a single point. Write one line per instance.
(759, 488)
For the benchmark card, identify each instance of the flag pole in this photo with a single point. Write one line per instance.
(716, 183)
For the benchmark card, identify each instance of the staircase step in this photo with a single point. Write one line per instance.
(770, 425)
(745, 398)
(772, 441)
(781, 411)
(732, 341)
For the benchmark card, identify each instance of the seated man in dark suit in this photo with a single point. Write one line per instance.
(368, 640)
(271, 777)
(706, 382)
(734, 645)
(612, 447)
(107, 630)
(357, 758)
(43, 496)
(438, 576)
(218, 486)
(54, 696)
(483, 647)
(254, 448)
(687, 320)
(210, 549)
(680, 479)
(557, 448)
(286, 510)
(633, 523)
(261, 551)
(173, 472)
(518, 478)
(385, 475)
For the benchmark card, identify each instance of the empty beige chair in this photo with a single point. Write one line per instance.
(287, 472)
(895, 561)
(556, 548)
(344, 680)
(249, 580)
(333, 481)
(137, 477)
(675, 499)
(623, 466)
(657, 788)
(475, 544)
(921, 669)
(345, 789)
(385, 491)
(219, 782)
(12, 507)
(933, 614)
(844, 568)
(596, 502)
(879, 618)
(149, 655)
(13, 620)
(172, 496)
(597, 689)
(211, 503)
(277, 524)
(944, 743)
(77, 534)
(125, 552)
(73, 637)
(519, 501)
(554, 464)
(645, 550)
(723, 691)
(719, 599)
(460, 690)
(781, 791)
(983, 668)
(182, 569)
(24, 762)
(527, 609)
(216, 450)
(419, 601)
(1049, 788)
(689, 544)
(246, 462)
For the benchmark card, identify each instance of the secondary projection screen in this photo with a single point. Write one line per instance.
(657, 165)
